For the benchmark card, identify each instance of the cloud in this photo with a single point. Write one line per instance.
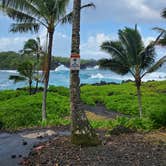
(125, 11)
(91, 48)
(12, 43)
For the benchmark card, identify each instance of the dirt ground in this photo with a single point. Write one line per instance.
(135, 149)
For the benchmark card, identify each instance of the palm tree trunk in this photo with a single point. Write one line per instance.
(37, 81)
(139, 100)
(81, 131)
(30, 87)
(47, 73)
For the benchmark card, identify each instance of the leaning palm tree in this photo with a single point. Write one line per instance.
(82, 132)
(129, 55)
(33, 47)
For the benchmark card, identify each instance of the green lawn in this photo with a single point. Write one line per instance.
(19, 110)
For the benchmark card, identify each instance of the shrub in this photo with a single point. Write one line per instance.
(158, 117)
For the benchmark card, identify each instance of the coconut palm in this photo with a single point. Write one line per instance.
(82, 132)
(129, 55)
(33, 47)
(29, 15)
(26, 73)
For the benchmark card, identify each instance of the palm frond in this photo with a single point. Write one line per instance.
(147, 56)
(24, 27)
(17, 78)
(67, 19)
(156, 66)
(89, 5)
(163, 14)
(114, 65)
(19, 16)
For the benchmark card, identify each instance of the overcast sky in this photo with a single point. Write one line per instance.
(97, 25)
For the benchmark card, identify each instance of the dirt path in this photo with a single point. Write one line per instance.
(101, 110)
(15, 146)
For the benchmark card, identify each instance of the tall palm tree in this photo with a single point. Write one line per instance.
(129, 55)
(29, 15)
(82, 132)
(33, 47)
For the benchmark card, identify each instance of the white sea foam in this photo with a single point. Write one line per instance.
(9, 71)
(62, 68)
(96, 67)
(93, 68)
(98, 75)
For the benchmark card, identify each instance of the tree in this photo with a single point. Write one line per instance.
(26, 72)
(82, 132)
(29, 15)
(33, 47)
(129, 55)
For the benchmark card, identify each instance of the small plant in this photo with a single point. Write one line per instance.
(26, 73)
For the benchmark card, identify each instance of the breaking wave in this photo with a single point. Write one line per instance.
(98, 75)
(61, 68)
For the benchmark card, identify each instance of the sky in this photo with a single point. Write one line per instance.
(97, 25)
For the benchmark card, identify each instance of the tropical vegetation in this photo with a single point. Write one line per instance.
(120, 98)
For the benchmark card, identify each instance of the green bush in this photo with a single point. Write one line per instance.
(25, 111)
(9, 94)
(133, 123)
(158, 117)
(63, 91)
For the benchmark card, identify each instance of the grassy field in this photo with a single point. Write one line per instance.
(19, 110)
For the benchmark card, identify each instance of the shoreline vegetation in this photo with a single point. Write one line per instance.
(10, 61)
(19, 110)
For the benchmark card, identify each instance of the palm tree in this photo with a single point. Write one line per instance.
(129, 55)
(29, 15)
(33, 47)
(82, 132)
(26, 73)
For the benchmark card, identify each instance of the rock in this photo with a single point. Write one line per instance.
(13, 156)
(24, 143)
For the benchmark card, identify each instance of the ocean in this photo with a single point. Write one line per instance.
(60, 77)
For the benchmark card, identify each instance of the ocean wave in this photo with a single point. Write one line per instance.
(98, 75)
(93, 68)
(61, 68)
(9, 71)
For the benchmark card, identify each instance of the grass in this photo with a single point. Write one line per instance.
(19, 110)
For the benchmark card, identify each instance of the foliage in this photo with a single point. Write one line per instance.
(24, 110)
(19, 110)
(11, 60)
(123, 98)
